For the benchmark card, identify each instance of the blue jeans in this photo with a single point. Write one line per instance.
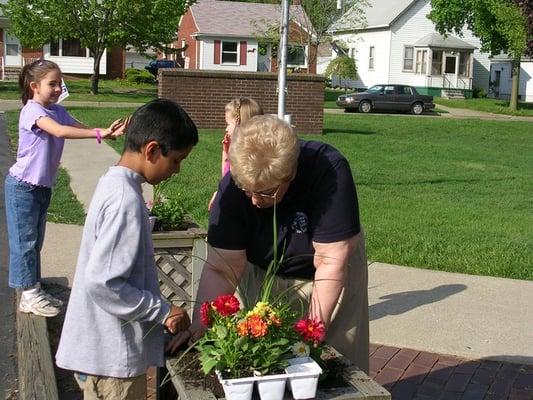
(26, 207)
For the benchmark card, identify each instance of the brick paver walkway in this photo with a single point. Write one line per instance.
(418, 375)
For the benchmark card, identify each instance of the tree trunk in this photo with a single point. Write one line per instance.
(95, 77)
(515, 76)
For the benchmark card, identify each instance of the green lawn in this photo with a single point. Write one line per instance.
(488, 105)
(451, 195)
(110, 90)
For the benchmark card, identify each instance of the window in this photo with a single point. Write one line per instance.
(408, 58)
(296, 55)
(436, 62)
(54, 48)
(229, 52)
(72, 48)
(421, 61)
(464, 64)
(404, 90)
(389, 90)
(371, 52)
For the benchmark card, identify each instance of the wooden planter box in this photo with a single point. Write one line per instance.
(179, 258)
(358, 385)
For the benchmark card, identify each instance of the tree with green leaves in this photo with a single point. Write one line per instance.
(98, 24)
(320, 15)
(499, 24)
(342, 67)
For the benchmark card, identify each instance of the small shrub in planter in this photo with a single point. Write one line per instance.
(170, 214)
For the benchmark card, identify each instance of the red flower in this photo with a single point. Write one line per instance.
(204, 313)
(312, 330)
(226, 305)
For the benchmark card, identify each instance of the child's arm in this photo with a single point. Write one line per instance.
(79, 131)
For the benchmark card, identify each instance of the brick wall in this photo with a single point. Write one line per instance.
(186, 29)
(203, 94)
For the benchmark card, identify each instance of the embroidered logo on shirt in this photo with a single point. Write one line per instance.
(299, 222)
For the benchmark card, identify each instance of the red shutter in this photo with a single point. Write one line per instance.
(244, 50)
(217, 51)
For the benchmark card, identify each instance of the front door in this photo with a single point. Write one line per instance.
(12, 51)
(451, 64)
(264, 60)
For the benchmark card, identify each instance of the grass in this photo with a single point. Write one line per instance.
(488, 105)
(451, 195)
(79, 90)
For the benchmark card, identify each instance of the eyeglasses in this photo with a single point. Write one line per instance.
(264, 195)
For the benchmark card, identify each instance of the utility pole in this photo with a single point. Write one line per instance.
(282, 53)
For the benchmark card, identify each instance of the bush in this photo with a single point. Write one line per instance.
(134, 75)
(479, 93)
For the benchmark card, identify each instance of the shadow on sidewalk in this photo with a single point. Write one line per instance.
(399, 303)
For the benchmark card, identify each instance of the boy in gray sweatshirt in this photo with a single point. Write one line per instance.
(113, 328)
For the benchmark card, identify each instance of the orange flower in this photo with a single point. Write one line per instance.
(242, 328)
(258, 327)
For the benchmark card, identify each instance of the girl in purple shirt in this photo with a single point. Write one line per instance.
(43, 128)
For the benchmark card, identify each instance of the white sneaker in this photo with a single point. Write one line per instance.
(38, 305)
(53, 300)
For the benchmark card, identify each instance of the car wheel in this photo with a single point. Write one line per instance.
(417, 108)
(365, 106)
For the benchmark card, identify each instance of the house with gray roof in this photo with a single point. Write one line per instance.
(399, 44)
(226, 35)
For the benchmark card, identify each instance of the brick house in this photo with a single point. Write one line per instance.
(224, 36)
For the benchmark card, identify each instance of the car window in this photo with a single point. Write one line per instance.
(405, 90)
(375, 89)
(389, 89)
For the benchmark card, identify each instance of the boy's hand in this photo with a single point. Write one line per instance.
(178, 320)
(187, 337)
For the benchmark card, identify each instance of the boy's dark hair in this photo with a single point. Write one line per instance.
(34, 72)
(163, 121)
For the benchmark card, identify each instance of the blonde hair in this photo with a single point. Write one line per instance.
(264, 153)
(243, 108)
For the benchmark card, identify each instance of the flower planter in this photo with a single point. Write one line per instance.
(303, 377)
(179, 257)
(271, 387)
(355, 384)
(237, 389)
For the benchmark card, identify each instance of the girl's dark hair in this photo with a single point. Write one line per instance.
(34, 72)
(163, 121)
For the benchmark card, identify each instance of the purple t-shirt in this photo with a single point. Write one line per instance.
(39, 152)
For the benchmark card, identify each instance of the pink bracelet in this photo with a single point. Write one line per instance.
(98, 136)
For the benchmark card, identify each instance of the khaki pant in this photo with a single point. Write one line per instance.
(107, 388)
(348, 331)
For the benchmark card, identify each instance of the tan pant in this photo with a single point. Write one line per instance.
(348, 331)
(107, 388)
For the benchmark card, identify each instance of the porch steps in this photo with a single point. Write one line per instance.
(452, 94)
(11, 73)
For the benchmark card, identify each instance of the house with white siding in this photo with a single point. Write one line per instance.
(225, 36)
(399, 44)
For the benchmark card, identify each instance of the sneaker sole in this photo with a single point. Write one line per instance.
(36, 312)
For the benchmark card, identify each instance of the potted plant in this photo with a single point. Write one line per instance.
(247, 344)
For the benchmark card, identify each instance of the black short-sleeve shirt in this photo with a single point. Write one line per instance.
(320, 205)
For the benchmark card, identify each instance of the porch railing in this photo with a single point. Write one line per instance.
(29, 60)
(3, 72)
